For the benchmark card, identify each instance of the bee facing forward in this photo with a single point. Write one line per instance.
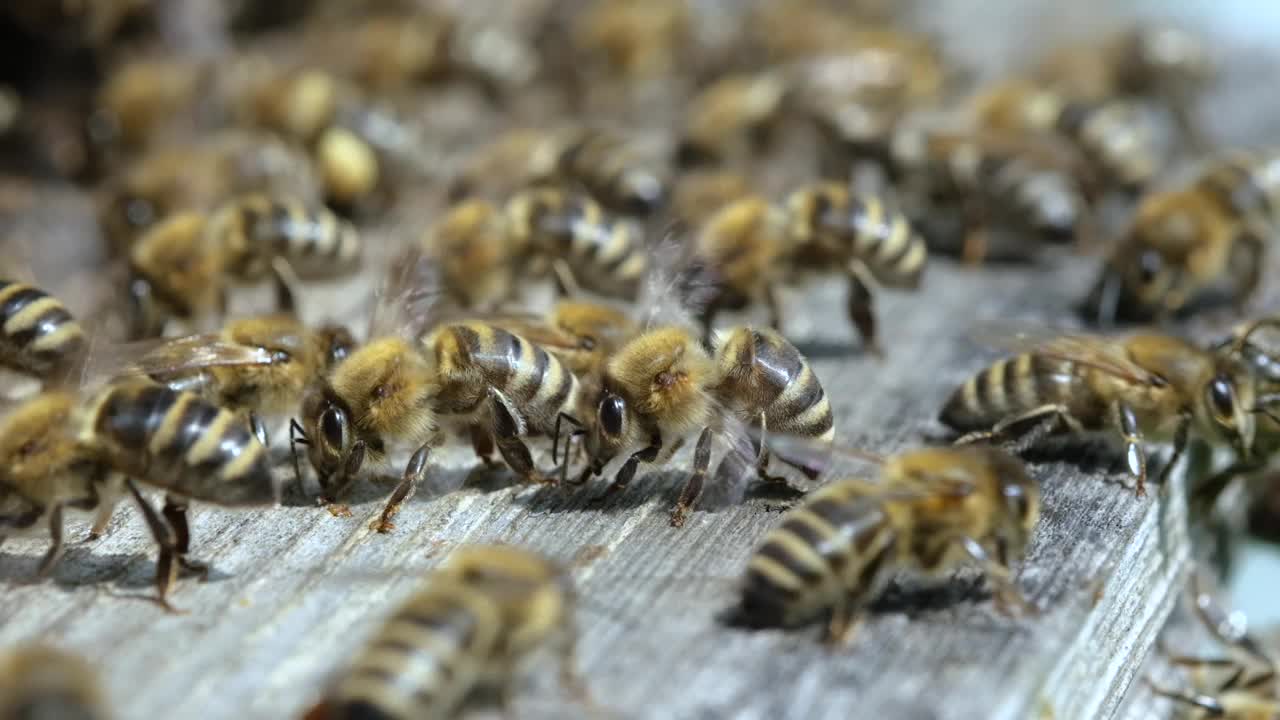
(44, 682)
(182, 267)
(1193, 245)
(1143, 388)
(745, 248)
(664, 386)
(38, 334)
(930, 510)
(391, 393)
(477, 620)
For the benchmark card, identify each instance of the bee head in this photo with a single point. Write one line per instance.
(1020, 495)
(336, 342)
(611, 428)
(1228, 405)
(330, 437)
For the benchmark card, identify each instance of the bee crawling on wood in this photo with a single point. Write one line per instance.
(43, 682)
(1143, 388)
(476, 623)
(929, 510)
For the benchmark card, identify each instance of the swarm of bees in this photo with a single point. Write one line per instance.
(800, 145)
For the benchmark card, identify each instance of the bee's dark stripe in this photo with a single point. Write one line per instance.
(775, 551)
(46, 323)
(982, 385)
(561, 394)
(779, 365)
(457, 623)
(810, 394)
(18, 300)
(357, 710)
(867, 578)
(541, 361)
(131, 416)
(817, 427)
(193, 423)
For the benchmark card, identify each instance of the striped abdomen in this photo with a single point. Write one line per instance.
(315, 239)
(1013, 386)
(180, 442)
(1116, 138)
(1247, 184)
(863, 228)
(764, 374)
(534, 380)
(1040, 196)
(38, 335)
(612, 173)
(839, 540)
(423, 662)
(606, 254)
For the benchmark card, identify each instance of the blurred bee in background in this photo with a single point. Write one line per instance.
(1240, 686)
(1144, 388)
(1192, 246)
(198, 175)
(80, 25)
(604, 164)
(665, 385)
(143, 97)
(43, 682)
(183, 267)
(732, 119)
(1119, 142)
(479, 618)
(698, 194)
(744, 250)
(632, 42)
(38, 334)
(929, 510)
(1158, 63)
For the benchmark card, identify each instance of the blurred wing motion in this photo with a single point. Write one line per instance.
(673, 292)
(405, 302)
(1099, 352)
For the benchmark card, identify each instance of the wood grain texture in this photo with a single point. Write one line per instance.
(295, 591)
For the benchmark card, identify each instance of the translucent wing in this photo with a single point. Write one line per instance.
(810, 455)
(168, 356)
(674, 291)
(733, 465)
(1099, 352)
(406, 299)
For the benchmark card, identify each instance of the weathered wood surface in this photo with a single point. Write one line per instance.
(295, 591)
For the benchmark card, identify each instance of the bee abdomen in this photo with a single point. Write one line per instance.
(37, 332)
(1007, 388)
(785, 388)
(1248, 185)
(293, 231)
(1115, 137)
(1045, 199)
(179, 441)
(886, 241)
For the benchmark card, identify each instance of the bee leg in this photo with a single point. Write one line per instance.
(166, 568)
(107, 499)
(844, 623)
(708, 318)
(555, 442)
(482, 445)
(1043, 418)
(1209, 704)
(1254, 244)
(566, 284)
(861, 306)
(259, 429)
(1180, 437)
(693, 487)
(1126, 424)
(285, 280)
(566, 647)
(56, 544)
(413, 473)
(508, 430)
(774, 307)
(350, 470)
(976, 242)
(628, 470)
(1007, 594)
(175, 512)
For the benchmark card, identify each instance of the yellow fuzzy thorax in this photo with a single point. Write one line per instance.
(175, 255)
(388, 386)
(36, 440)
(664, 373)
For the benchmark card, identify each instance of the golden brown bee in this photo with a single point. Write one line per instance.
(604, 164)
(183, 267)
(1193, 245)
(930, 510)
(581, 333)
(1240, 686)
(198, 176)
(258, 366)
(142, 96)
(732, 118)
(1144, 388)
(392, 393)
(38, 335)
(634, 40)
(476, 620)
(699, 194)
(747, 246)
(1117, 140)
(44, 682)
(664, 386)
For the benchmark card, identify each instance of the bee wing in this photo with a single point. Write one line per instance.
(732, 469)
(808, 454)
(673, 293)
(161, 357)
(1098, 352)
(407, 296)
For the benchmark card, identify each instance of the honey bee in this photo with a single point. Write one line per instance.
(38, 334)
(994, 182)
(732, 118)
(1248, 690)
(747, 245)
(603, 163)
(480, 246)
(664, 385)
(1190, 246)
(583, 334)
(930, 510)
(1145, 388)
(477, 619)
(183, 266)
(142, 96)
(698, 194)
(1118, 142)
(392, 392)
(43, 682)
(633, 41)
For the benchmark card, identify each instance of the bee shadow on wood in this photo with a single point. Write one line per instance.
(83, 566)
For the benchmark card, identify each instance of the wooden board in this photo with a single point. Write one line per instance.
(295, 591)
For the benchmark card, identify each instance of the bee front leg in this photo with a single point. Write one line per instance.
(175, 512)
(349, 474)
(628, 470)
(166, 567)
(413, 473)
(1007, 594)
(861, 305)
(508, 431)
(286, 281)
(259, 429)
(482, 444)
(693, 488)
(1180, 437)
(773, 305)
(56, 546)
(844, 623)
(1126, 423)
(566, 284)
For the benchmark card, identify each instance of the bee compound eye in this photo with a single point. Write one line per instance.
(1222, 398)
(611, 412)
(333, 427)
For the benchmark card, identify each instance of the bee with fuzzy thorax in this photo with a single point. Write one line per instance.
(697, 195)
(930, 510)
(1144, 388)
(142, 96)
(393, 392)
(38, 334)
(1193, 245)
(606, 165)
(1116, 139)
(479, 618)
(664, 386)
(183, 267)
(44, 682)
(732, 118)
(585, 248)
(745, 249)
